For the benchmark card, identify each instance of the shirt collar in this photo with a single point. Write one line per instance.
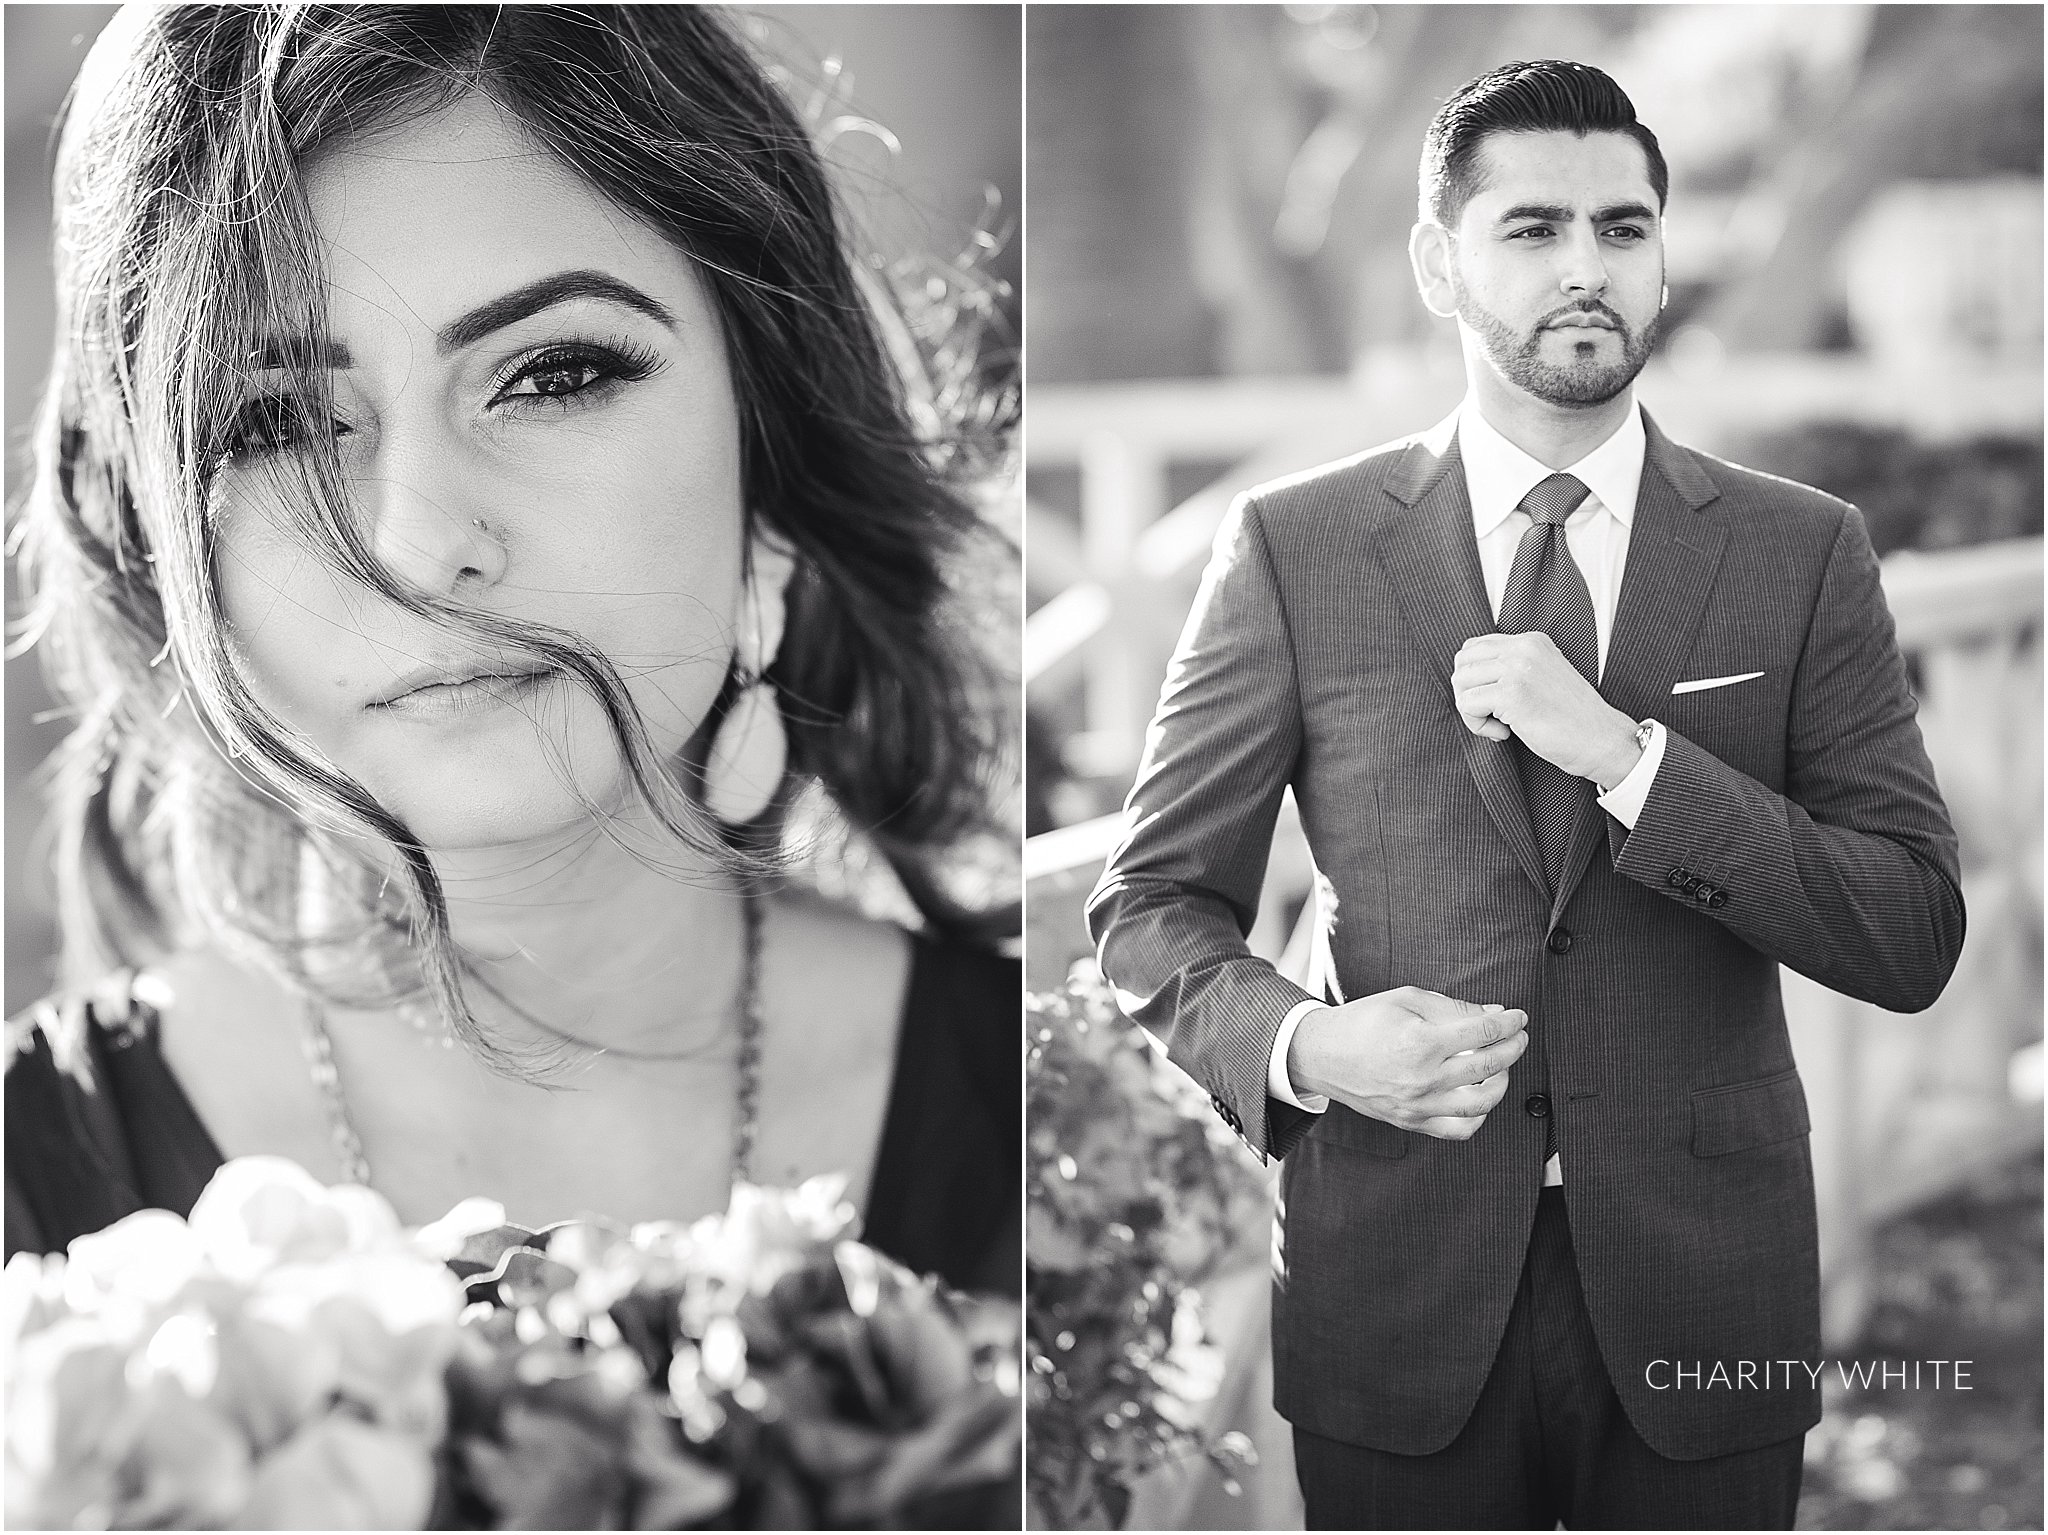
(1498, 474)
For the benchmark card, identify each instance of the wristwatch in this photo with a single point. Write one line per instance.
(1644, 732)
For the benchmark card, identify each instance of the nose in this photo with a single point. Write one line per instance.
(422, 526)
(1584, 270)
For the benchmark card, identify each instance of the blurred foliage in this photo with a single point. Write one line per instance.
(1914, 495)
(1136, 1195)
(1959, 1278)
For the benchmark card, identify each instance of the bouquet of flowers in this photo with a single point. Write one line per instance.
(1136, 1193)
(290, 1357)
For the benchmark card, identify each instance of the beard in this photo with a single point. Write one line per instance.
(1584, 381)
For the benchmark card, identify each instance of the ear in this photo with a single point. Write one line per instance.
(1430, 256)
(771, 564)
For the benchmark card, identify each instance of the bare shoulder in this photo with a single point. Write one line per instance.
(213, 1002)
(842, 974)
(230, 1037)
(832, 989)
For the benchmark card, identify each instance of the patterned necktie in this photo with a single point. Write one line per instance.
(1545, 591)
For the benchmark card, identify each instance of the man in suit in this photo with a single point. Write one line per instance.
(1589, 733)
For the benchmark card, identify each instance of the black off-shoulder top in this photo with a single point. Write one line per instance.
(98, 1127)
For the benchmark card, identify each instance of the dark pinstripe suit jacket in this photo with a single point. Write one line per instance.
(1794, 821)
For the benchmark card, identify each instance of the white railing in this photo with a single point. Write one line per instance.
(1901, 1106)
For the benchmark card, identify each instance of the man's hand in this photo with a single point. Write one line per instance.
(1521, 685)
(1411, 1057)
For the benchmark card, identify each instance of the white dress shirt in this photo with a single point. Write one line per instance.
(1497, 476)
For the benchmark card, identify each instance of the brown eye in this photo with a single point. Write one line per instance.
(563, 378)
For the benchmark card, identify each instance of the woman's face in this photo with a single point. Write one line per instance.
(536, 418)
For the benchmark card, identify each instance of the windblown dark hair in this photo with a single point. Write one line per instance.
(183, 238)
(1543, 96)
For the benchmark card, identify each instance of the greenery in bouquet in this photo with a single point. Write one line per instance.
(291, 1358)
(1137, 1193)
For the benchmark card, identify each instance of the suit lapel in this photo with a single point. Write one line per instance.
(1674, 550)
(1426, 544)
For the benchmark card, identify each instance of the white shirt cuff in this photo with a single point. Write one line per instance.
(1277, 1082)
(1625, 800)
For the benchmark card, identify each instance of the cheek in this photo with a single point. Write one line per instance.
(285, 609)
(1648, 295)
(642, 545)
(1506, 297)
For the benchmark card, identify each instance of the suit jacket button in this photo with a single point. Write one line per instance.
(1675, 878)
(1559, 942)
(1718, 899)
(1537, 1105)
(1705, 894)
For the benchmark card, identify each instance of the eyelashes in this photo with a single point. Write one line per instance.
(267, 424)
(573, 370)
(546, 380)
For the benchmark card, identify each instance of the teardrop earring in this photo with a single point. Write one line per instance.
(750, 752)
(748, 756)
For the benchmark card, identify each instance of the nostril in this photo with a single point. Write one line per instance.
(427, 543)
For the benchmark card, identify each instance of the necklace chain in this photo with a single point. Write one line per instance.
(747, 1062)
(348, 1145)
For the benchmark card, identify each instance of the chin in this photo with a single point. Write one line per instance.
(1580, 382)
(503, 809)
(1572, 394)
(520, 782)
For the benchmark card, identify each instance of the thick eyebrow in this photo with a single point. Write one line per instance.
(545, 293)
(296, 354)
(1556, 213)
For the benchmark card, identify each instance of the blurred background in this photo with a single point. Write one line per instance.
(921, 106)
(1220, 200)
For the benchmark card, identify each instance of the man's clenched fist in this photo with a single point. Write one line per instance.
(1521, 685)
(1414, 1058)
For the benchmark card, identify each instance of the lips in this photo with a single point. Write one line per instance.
(1582, 320)
(461, 688)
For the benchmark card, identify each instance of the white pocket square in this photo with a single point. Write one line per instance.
(1713, 682)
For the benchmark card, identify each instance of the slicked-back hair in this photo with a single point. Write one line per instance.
(1540, 96)
(184, 809)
